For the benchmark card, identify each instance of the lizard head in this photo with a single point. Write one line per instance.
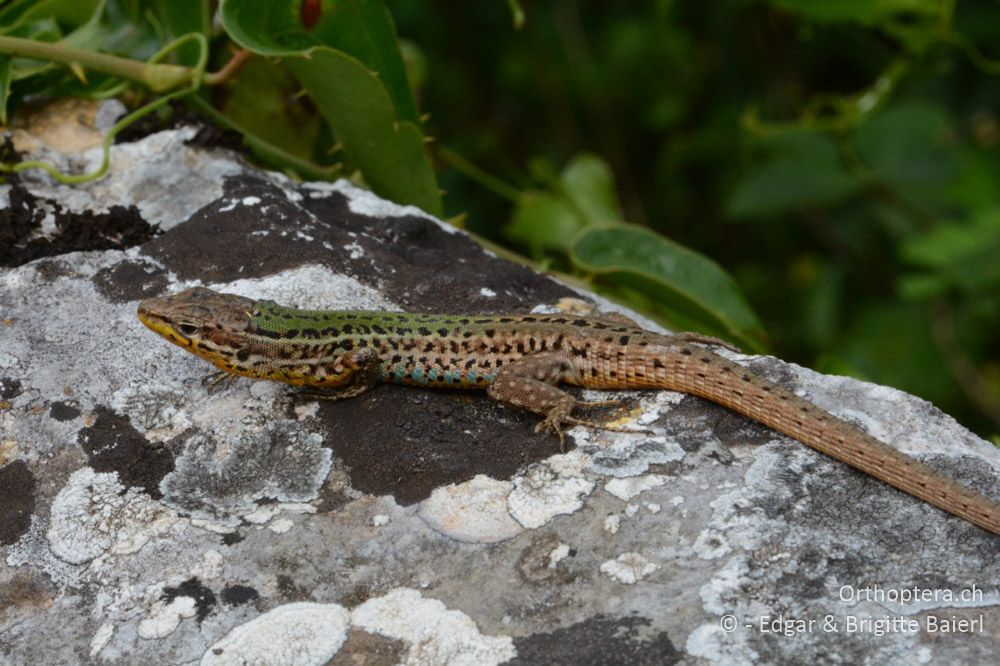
(205, 322)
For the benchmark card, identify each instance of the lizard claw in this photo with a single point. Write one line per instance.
(553, 424)
(216, 380)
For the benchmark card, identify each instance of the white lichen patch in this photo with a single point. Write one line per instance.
(94, 513)
(222, 475)
(210, 565)
(711, 545)
(363, 202)
(474, 511)
(355, 249)
(613, 523)
(632, 455)
(628, 568)
(380, 520)
(558, 554)
(627, 488)
(301, 633)
(163, 617)
(281, 525)
(174, 179)
(311, 287)
(435, 634)
(549, 488)
(101, 638)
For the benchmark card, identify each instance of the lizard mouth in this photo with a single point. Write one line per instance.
(159, 324)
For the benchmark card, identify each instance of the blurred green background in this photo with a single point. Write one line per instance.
(816, 179)
(839, 159)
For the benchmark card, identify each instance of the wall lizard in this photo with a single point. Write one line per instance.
(521, 360)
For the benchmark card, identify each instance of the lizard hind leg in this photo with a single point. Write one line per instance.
(531, 383)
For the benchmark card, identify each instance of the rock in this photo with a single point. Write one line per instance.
(143, 520)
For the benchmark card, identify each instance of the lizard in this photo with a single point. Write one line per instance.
(521, 360)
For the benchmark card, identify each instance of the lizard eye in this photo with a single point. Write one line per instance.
(187, 330)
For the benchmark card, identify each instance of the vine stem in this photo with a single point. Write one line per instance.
(157, 77)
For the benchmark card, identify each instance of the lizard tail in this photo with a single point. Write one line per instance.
(693, 369)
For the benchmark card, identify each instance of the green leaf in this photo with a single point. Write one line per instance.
(588, 184)
(582, 195)
(891, 343)
(351, 96)
(267, 27)
(544, 221)
(5, 71)
(390, 153)
(865, 12)
(67, 12)
(908, 146)
(272, 117)
(804, 169)
(672, 274)
(957, 254)
(364, 30)
(180, 17)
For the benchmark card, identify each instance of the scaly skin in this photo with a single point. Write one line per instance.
(521, 360)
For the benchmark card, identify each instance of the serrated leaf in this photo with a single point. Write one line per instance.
(672, 274)
(364, 30)
(389, 153)
(350, 95)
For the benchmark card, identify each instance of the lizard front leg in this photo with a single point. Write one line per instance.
(348, 375)
(532, 383)
(217, 380)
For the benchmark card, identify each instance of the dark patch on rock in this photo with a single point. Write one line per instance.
(218, 242)
(130, 281)
(204, 598)
(113, 445)
(289, 590)
(24, 593)
(691, 418)
(432, 270)
(63, 411)
(116, 229)
(235, 595)
(10, 388)
(406, 442)
(175, 115)
(598, 640)
(212, 136)
(428, 269)
(369, 649)
(232, 538)
(17, 501)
